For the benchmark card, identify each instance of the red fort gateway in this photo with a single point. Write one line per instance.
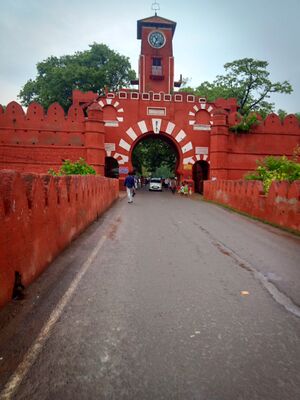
(104, 130)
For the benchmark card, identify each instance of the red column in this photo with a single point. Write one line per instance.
(94, 138)
(219, 146)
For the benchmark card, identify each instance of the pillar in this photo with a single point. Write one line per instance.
(219, 146)
(95, 138)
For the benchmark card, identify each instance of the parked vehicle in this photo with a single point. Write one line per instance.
(155, 184)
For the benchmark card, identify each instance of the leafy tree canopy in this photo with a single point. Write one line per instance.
(248, 81)
(92, 69)
(151, 154)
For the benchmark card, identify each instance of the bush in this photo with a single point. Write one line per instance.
(275, 169)
(79, 167)
(248, 121)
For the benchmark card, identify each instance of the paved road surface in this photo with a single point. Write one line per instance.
(166, 298)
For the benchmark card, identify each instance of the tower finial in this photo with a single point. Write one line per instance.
(155, 7)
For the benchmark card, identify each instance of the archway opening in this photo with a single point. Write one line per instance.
(155, 155)
(111, 167)
(200, 174)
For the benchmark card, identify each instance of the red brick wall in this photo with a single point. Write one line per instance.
(36, 141)
(271, 137)
(281, 206)
(40, 215)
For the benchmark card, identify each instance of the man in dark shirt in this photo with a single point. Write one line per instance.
(129, 183)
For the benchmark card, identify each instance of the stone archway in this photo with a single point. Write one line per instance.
(161, 137)
(111, 167)
(200, 174)
(121, 149)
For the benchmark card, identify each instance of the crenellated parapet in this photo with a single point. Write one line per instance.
(35, 113)
(271, 124)
(40, 215)
(28, 137)
(281, 206)
(234, 153)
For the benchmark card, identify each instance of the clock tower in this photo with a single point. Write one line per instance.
(156, 63)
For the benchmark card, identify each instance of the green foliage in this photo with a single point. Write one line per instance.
(79, 167)
(248, 81)
(153, 153)
(281, 114)
(247, 122)
(163, 172)
(91, 69)
(276, 169)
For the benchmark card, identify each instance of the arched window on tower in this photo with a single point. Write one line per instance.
(110, 116)
(202, 121)
(157, 69)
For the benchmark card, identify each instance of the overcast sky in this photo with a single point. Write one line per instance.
(209, 33)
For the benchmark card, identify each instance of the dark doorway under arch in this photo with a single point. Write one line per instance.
(200, 174)
(111, 167)
(155, 154)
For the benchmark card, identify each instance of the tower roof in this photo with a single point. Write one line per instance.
(155, 22)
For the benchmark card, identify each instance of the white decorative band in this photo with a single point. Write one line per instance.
(142, 126)
(124, 145)
(180, 136)
(130, 132)
(170, 128)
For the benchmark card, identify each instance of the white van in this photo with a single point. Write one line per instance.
(155, 184)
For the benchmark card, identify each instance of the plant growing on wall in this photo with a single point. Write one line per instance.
(247, 122)
(275, 169)
(79, 167)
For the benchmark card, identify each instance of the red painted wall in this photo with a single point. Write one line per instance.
(36, 141)
(271, 137)
(145, 64)
(40, 215)
(281, 206)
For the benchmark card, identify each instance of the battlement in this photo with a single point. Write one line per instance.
(271, 124)
(40, 216)
(28, 138)
(280, 206)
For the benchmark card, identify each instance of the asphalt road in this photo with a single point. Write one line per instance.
(165, 298)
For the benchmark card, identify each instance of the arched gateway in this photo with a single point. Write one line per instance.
(153, 108)
(104, 130)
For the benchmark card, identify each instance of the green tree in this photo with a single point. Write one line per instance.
(152, 154)
(281, 114)
(248, 81)
(91, 69)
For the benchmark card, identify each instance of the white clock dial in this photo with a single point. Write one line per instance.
(157, 39)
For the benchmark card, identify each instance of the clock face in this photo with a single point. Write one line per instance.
(157, 39)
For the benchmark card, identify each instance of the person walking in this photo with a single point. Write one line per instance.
(173, 185)
(129, 184)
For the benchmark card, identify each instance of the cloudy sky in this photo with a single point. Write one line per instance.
(209, 33)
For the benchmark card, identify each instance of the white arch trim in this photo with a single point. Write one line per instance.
(153, 124)
(192, 113)
(109, 102)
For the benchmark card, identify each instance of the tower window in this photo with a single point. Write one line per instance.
(156, 69)
(156, 62)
